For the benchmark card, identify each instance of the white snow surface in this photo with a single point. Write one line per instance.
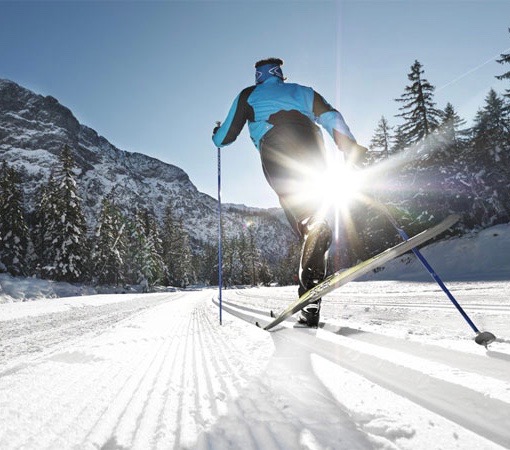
(393, 364)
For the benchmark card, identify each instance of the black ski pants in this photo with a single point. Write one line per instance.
(293, 155)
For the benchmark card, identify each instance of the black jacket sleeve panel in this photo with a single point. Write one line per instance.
(243, 112)
(320, 106)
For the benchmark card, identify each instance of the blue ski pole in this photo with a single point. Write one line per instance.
(483, 338)
(220, 256)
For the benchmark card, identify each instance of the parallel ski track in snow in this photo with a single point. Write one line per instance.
(419, 372)
(382, 302)
(152, 373)
(159, 372)
(32, 337)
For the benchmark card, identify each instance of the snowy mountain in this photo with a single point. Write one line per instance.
(34, 129)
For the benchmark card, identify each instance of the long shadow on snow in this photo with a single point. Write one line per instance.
(288, 406)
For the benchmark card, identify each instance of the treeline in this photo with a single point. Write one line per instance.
(429, 136)
(54, 242)
(431, 164)
(123, 248)
(441, 135)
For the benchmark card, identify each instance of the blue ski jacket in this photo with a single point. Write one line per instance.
(256, 104)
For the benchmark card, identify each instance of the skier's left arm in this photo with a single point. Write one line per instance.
(239, 113)
(334, 123)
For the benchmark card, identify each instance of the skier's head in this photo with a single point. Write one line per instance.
(266, 68)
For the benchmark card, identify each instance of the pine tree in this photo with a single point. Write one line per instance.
(48, 226)
(265, 274)
(229, 251)
(110, 244)
(65, 229)
(452, 134)
(287, 270)
(253, 257)
(381, 140)
(491, 132)
(205, 264)
(452, 125)
(488, 164)
(399, 141)
(13, 227)
(242, 271)
(45, 218)
(176, 251)
(148, 268)
(505, 59)
(184, 272)
(418, 111)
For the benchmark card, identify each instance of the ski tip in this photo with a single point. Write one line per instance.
(258, 324)
(272, 314)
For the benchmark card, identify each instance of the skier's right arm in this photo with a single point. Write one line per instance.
(335, 124)
(239, 113)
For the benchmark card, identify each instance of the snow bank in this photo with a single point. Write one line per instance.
(23, 289)
(481, 256)
(20, 289)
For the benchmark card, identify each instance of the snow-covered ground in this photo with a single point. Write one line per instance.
(481, 256)
(392, 366)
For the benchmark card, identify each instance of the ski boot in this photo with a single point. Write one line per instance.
(310, 314)
(317, 239)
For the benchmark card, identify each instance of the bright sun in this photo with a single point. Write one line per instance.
(336, 187)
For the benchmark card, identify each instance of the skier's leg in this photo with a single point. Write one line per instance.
(313, 265)
(316, 242)
(287, 155)
(292, 155)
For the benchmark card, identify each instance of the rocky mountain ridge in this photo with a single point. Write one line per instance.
(34, 129)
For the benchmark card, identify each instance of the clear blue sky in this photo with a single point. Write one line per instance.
(153, 77)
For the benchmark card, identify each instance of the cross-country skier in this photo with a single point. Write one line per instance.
(282, 121)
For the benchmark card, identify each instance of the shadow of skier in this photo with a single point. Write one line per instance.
(286, 407)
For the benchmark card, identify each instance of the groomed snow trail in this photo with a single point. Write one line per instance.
(152, 372)
(157, 371)
(405, 369)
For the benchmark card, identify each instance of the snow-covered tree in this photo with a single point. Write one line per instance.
(452, 135)
(146, 263)
(253, 257)
(110, 244)
(452, 125)
(491, 132)
(45, 219)
(242, 272)
(242, 259)
(176, 251)
(265, 274)
(184, 270)
(485, 167)
(205, 263)
(13, 227)
(62, 226)
(420, 116)
(287, 270)
(399, 141)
